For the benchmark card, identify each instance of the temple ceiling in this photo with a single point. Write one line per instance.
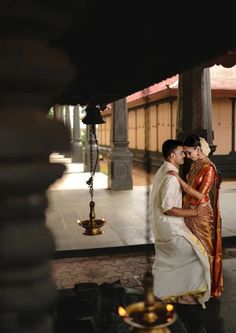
(118, 47)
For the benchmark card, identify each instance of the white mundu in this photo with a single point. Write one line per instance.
(181, 265)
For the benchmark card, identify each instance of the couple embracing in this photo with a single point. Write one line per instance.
(186, 225)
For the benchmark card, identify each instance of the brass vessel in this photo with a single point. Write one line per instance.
(92, 225)
(150, 316)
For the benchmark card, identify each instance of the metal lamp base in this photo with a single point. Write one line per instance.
(150, 316)
(92, 228)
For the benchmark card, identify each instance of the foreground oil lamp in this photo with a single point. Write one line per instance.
(92, 225)
(150, 316)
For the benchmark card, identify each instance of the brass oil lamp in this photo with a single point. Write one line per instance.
(150, 316)
(92, 225)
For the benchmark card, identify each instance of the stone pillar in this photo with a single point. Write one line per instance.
(55, 112)
(77, 148)
(67, 119)
(120, 159)
(195, 104)
(32, 74)
(59, 116)
(61, 113)
(68, 126)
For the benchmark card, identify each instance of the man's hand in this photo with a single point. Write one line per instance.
(173, 173)
(181, 181)
(186, 212)
(200, 210)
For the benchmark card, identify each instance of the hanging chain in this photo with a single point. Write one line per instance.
(147, 167)
(90, 181)
(92, 134)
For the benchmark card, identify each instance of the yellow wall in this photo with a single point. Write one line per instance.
(174, 118)
(152, 128)
(140, 139)
(104, 132)
(221, 124)
(99, 134)
(132, 129)
(162, 125)
(108, 131)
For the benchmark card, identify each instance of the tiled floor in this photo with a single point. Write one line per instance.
(128, 268)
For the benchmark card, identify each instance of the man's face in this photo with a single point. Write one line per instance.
(191, 152)
(179, 155)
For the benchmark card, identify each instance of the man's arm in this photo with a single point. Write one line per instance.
(183, 212)
(169, 197)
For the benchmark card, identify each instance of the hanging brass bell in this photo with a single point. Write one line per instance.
(93, 115)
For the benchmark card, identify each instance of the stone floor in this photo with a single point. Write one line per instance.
(124, 211)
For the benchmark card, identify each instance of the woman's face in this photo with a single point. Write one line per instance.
(191, 152)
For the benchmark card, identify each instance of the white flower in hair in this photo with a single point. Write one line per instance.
(204, 146)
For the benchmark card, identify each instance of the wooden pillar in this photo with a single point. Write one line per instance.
(32, 73)
(195, 104)
(194, 108)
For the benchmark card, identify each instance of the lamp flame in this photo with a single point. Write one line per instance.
(122, 312)
(169, 307)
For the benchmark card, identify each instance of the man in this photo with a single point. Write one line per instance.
(181, 268)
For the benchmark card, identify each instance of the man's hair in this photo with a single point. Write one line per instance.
(169, 146)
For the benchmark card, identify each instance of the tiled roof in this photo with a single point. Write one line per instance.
(222, 78)
(163, 85)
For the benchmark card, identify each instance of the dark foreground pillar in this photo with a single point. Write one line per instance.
(31, 75)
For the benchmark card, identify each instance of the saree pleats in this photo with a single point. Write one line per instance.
(207, 228)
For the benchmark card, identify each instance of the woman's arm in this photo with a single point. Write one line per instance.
(192, 192)
(207, 179)
(187, 188)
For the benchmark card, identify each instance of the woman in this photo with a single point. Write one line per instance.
(202, 189)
